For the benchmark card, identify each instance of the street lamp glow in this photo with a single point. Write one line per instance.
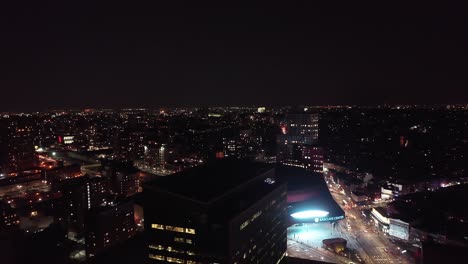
(309, 214)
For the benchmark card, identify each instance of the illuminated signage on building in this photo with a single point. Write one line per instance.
(331, 218)
(316, 215)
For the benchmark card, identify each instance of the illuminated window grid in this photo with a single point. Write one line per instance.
(183, 240)
(157, 247)
(175, 260)
(157, 226)
(174, 228)
(157, 257)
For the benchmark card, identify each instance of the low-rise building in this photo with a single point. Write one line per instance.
(337, 245)
(359, 197)
(380, 218)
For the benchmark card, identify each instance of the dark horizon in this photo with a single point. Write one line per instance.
(268, 107)
(118, 56)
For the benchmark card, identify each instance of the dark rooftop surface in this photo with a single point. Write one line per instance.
(334, 240)
(382, 211)
(436, 253)
(307, 190)
(210, 181)
(293, 260)
(442, 211)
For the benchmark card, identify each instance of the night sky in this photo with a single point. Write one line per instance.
(129, 55)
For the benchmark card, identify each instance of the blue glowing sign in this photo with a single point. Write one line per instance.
(326, 219)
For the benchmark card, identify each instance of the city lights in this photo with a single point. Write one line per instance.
(281, 133)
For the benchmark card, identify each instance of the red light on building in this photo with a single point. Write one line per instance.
(60, 139)
(284, 129)
(219, 155)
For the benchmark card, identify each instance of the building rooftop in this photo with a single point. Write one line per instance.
(382, 211)
(306, 190)
(293, 260)
(437, 253)
(333, 240)
(210, 181)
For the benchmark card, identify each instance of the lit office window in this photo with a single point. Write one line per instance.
(157, 226)
(158, 257)
(157, 247)
(179, 239)
(175, 229)
(245, 224)
(170, 249)
(174, 260)
(190, 230)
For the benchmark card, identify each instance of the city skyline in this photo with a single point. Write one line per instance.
(93, 185)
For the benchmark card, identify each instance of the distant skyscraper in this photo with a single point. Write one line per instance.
(229, 211)
(122, 176)
(297, 143)
(129, 144)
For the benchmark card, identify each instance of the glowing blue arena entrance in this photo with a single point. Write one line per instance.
(308, 214)
(315, 216)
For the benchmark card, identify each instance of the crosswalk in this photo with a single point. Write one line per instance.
(382, 260)
(298, 250)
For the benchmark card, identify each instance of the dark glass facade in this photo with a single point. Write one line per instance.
(238, 221)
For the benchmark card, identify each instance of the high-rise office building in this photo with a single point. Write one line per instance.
(297, 143)
(228, 211)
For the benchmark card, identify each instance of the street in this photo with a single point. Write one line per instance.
(367, 244)
(372, 245)
(302, 250)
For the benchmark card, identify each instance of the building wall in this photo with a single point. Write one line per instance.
(299, 135)
(313, 158)
(16, 147)
(380, 221)
(182, 230)
(109, 226)
(259, 234)
(399, 229)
